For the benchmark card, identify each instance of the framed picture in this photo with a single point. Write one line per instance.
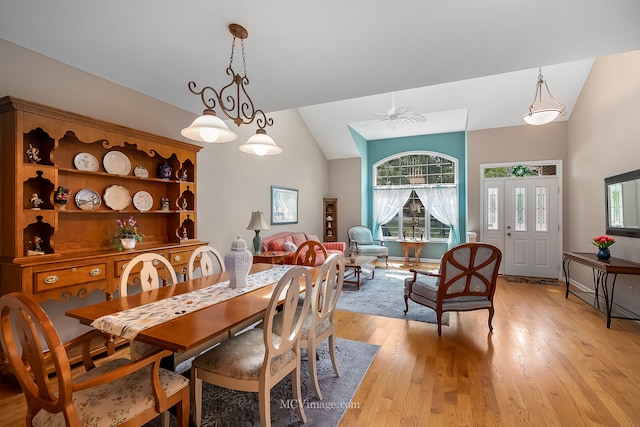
(284, 205)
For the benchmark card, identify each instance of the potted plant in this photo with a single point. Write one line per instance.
(603, 242)
(127, 234)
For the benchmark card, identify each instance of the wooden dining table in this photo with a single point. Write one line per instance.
(189, 331)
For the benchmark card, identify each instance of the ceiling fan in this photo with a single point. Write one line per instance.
(395, 116)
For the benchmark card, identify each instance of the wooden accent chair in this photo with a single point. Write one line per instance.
(118, 392)
(308, 251)
(258, 359)
(206, 258)
(466, 281)
(362, 237)
(319, 324)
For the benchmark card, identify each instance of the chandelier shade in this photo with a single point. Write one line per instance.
(209, 128)
(538, 115)
(260, 144)
(234, 101)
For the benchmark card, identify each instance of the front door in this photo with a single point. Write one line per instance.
(532, 234)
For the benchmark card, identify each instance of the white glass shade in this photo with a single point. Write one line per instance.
(208, 128)
(541, 117)
(260, 144)
(257, 222)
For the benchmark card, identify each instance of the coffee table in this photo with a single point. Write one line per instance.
(361, 269)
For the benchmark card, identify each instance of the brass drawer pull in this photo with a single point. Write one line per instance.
(155, 262)
(51, 279)
(177, 258)
(95, 272)
(124, 266)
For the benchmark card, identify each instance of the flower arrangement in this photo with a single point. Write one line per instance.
(603, 242)
(61, 196)
(127, 229)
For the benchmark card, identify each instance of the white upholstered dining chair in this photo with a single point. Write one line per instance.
(207, 259)
(257, 359)
(319, 324)
(117, 392)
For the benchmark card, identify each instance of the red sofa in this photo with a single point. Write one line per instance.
(275, 242)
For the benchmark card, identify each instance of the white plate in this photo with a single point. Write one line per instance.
(117, 197)
(88, 200)
(86, 162)
(141, 172)
(142, 201)
(116, 163)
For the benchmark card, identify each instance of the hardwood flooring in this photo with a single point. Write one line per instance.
(550, 361)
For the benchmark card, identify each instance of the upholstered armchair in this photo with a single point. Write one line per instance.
(466, 281)
(362, 237)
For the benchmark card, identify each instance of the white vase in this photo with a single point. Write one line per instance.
(128, 243)
(238, 263)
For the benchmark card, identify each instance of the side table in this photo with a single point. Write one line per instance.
(417, 247)
(270, 257)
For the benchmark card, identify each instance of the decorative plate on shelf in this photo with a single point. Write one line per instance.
(141, 172)
(88, 200)
(86, 162)
(142, 201)
(116, 163)
(117, 197)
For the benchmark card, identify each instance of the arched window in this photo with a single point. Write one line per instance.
(418, 190)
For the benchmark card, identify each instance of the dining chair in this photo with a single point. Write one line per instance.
(307, 253)
(207, 259)
(466, 281)
(257, 359)
(118, 392)
(319, 324)
(149, 278)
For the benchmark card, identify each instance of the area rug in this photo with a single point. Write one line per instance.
(223, 407)
(384, 296)
(531, 280)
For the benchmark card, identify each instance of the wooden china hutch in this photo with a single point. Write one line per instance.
(51, 251)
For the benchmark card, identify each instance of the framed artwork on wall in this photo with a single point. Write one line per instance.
(284, 205)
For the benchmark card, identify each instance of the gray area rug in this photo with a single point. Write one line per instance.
(384, 296)
(223, 407)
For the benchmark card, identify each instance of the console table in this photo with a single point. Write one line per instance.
(601, 271)
(417, 247)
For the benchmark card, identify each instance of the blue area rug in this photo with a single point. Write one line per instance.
(384, 296)
(223, 407)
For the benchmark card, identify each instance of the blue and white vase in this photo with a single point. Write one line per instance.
(164, 170)
(603, 253)
(238, 263)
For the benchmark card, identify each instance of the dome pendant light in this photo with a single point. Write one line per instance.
(542, 116)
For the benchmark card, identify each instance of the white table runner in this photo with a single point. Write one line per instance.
(129, 323)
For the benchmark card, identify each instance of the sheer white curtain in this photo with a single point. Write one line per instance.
(386, 204)
(442, 203)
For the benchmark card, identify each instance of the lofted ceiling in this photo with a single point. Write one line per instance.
(463, 64)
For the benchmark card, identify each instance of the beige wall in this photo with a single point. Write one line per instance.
(344, 183)
(509, 144)
(603, 140)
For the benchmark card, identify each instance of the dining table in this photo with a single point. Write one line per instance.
(186, 331)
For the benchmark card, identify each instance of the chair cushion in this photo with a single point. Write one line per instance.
(102, 406)
(361, 235)
(373, 250)
(242, 356)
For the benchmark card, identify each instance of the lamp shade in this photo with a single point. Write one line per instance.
(257, 222)
(208, 128)
(260, 144)
(541, 117)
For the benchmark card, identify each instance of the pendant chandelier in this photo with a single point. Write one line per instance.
(542, 116)
(210, 128)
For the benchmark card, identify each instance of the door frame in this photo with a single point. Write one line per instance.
(528, 163)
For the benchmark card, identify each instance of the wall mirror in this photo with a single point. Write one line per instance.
(622, 203)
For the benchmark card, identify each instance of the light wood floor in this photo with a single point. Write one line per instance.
(550, 361)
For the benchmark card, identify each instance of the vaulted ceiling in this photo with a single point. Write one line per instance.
(464, 64)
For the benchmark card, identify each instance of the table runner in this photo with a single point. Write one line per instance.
(128, 323)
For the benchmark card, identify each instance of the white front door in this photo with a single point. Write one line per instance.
(531, 227)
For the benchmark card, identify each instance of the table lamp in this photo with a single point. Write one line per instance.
(257, 223)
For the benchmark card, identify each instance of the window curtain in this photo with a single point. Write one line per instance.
(387, 202)
(442, 203)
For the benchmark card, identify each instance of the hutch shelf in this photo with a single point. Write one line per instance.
(330, 219)
(51, 250)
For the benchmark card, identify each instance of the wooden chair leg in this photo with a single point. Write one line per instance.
(490, 319)
(196, 385)
(334, 359)
(313, 367)
(297, 392)
(264, 401)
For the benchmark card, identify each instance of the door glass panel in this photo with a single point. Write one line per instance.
(520, 216)
(492, 208)
(542, 213)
